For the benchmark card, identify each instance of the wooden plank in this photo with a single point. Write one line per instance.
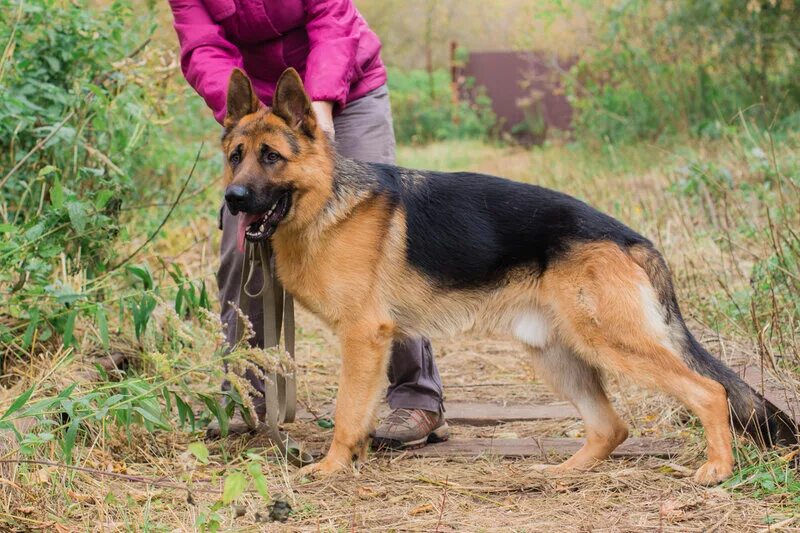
(484, 414)
(772, 389)
(490, 414)
(542, 447)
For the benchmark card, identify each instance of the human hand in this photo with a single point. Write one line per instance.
(323, 110)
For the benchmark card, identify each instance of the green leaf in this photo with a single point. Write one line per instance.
(150, 417)
(47, 169)
(27, 338)
(234, 487)
(56, 194)
(77, 215)
(102, 198)
(66, 297)
(167, 401)
(253, 456)
(69, 440)
(35, 231)
(69, 328)
(204, 300)
(67, 392)
(143, 274)
(53, 62)
(19, 402)
(325, 423)
(102, 326)
(184, 411)
(199, 450)
(179, 303)
(219, 412)
(254, 469)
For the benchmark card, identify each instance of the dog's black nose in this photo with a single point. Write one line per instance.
(237, 197)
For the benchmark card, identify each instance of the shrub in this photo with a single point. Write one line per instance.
(79, 145)
(687, 66)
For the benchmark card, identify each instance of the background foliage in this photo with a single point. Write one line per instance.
(669, 67)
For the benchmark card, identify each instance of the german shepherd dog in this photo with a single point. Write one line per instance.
(380, 252)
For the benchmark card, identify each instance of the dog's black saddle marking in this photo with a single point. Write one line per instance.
(465, 229)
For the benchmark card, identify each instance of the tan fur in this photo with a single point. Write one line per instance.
(605, 317)
(344, 257)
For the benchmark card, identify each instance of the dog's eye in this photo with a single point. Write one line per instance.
(272, 156)
(235, 158)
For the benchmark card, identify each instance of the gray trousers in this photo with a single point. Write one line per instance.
(363, 131)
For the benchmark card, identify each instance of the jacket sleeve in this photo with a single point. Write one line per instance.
(207, 57)
(333, 30)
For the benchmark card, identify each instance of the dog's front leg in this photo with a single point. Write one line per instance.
(365, 349)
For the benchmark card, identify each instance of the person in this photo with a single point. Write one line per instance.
(330, 45)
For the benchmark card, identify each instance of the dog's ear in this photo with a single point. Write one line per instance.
(242, 99)
(291, 103)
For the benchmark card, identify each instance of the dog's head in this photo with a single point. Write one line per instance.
(278, 163)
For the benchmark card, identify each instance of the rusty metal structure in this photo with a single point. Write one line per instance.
(526, 90)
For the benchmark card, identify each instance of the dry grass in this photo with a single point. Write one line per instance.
(411, 494)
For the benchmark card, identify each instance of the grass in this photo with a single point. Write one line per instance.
(724, 212)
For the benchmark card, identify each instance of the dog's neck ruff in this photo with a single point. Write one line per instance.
(351, 185)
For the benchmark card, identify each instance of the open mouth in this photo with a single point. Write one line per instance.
(257, 227)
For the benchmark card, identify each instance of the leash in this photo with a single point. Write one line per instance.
(280, 390)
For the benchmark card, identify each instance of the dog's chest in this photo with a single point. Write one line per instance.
(328, 281)
(307, 283)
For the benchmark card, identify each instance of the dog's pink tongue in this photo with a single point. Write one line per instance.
(245, 219)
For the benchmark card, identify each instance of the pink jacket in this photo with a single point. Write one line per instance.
(327, 41)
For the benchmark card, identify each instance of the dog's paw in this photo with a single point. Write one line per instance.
(560, 470)
(713, 473)
(326, 467)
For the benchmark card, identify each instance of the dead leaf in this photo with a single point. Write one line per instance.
(365, 493)
(675, 510)
(43, 475)
(421, 509)
(672, 507)
(789, 456)
(82, 498)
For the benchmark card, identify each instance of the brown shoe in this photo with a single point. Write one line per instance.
(409, 429)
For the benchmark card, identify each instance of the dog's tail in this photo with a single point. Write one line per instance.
(751, 413)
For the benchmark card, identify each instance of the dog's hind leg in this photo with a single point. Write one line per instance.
(581, 384)
(608, 311)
